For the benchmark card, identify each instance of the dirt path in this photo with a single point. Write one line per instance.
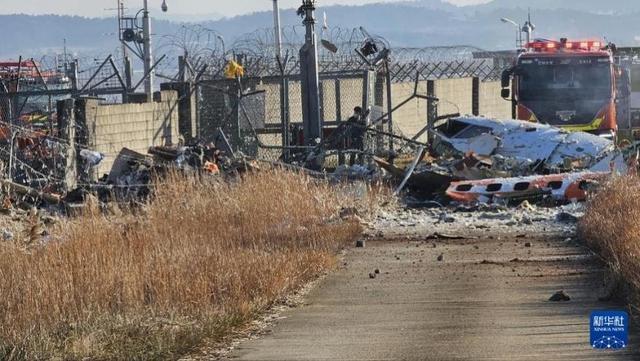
(478, 303)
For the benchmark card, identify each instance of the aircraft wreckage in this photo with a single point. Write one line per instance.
(477, 159)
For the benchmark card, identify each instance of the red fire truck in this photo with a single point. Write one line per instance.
(566, 83)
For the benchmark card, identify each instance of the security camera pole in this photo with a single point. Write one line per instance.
(148, 56)
(309, 75)
(130, 32)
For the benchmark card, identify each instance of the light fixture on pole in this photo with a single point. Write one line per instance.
(331, 47)
(518, 31)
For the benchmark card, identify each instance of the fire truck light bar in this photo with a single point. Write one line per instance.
(552, 45)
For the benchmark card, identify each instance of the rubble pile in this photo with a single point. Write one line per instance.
(26, 228)
(129, 181)
(356, 172)
(133, 173)
(464, 220)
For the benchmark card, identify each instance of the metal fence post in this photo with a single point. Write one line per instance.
(389, 103)
(368, 98)
(341, 159)
(284, 116)
(475, 96)
(378, 102)
(432, 111)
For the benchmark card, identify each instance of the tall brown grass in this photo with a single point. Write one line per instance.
(611, 226)
(200, 259)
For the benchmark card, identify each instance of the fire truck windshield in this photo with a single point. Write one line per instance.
(562, 79)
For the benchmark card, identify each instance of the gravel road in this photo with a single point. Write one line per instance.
(482, 297)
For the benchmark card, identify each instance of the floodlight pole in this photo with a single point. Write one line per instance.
(310, 78)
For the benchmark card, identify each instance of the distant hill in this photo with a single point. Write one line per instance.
(31, 36)
(430, 4)
(410, 23)
(433, 22)
(189, 18)
(594, 6)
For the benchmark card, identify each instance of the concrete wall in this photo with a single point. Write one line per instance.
(135, 126)
(411, 117)
(456, 96)
(187, 107)
(491, 104)
(271, 102)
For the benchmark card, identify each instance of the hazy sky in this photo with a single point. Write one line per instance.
(224, 7)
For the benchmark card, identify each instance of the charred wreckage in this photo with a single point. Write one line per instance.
(482, 160)
(469, 160)
(464, 159)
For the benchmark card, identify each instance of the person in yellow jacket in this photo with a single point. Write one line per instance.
(233, 70)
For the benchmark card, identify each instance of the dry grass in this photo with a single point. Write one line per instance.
(201, 259)
(611, 226)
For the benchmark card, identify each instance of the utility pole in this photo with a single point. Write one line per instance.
(309, 75)
(277, 28)
(66, 61)
(126, 60)
(284, 83)
(120, 9)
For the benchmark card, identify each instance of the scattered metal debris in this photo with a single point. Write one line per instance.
(438, 235)
(560, 296)
(426, 178)
(411, 169)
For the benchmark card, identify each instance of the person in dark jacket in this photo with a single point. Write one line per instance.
(357, 132)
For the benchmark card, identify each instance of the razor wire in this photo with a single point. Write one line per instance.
(257, 52)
